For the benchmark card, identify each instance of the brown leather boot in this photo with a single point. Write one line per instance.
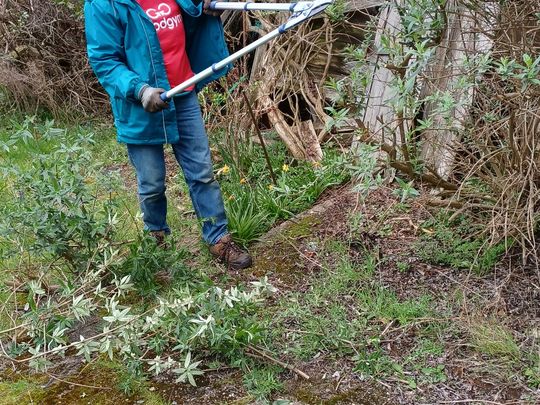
(229, 253)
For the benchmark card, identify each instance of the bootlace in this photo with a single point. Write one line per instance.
(230, 247)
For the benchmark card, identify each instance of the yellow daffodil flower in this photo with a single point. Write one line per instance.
(224, 170)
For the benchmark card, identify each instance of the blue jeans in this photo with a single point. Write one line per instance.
(192, 152)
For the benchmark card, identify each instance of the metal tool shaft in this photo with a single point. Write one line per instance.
(220, 65)
(249, 6)
(302, 11)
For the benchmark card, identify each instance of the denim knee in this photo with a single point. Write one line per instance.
(205, 175)
(151, 183)
(151, 194)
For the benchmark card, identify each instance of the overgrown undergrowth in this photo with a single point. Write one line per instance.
(71, 236)
(76, 254)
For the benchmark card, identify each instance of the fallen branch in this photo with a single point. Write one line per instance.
(259, 353)
(77, 384)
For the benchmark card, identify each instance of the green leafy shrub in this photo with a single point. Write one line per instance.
(61, 208)
(61, 215)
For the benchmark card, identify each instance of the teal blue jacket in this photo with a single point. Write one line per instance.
(124, 51)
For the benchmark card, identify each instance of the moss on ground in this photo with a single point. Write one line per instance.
(22, 391)
(101, 382)
(302, 228)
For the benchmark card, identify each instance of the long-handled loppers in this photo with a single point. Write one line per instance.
(301, 11)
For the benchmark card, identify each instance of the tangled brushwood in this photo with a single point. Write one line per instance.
(498, 157)
(452, 97)
(43, 61)
(497, 151)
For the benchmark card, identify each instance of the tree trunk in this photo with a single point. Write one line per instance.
(462, 40)
(379, 117)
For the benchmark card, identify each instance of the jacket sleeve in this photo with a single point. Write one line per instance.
(105, 38)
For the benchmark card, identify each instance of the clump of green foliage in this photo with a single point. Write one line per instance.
(261, 382)
(454, 243)
(62, 233)
(254, 202)
(494, 340)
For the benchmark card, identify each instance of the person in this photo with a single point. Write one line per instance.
(138, 48)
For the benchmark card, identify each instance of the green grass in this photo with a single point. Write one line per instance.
(456, 245)
(261, 382)
(343, 308)
(383, 305)
(493, 339)
(403, 267)
(324, 323)
(343, 313)
(375, 363)
(502, 353)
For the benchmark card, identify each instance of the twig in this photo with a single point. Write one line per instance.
(77, 384)
(387, 328)
(2, 332)
(261, 139)
(259, 353)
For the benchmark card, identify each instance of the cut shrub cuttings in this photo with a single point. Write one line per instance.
(62, 216)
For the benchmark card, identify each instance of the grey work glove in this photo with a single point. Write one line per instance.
(151, 101)
(215, 13)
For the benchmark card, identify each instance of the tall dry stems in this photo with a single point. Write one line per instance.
(43, 60)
